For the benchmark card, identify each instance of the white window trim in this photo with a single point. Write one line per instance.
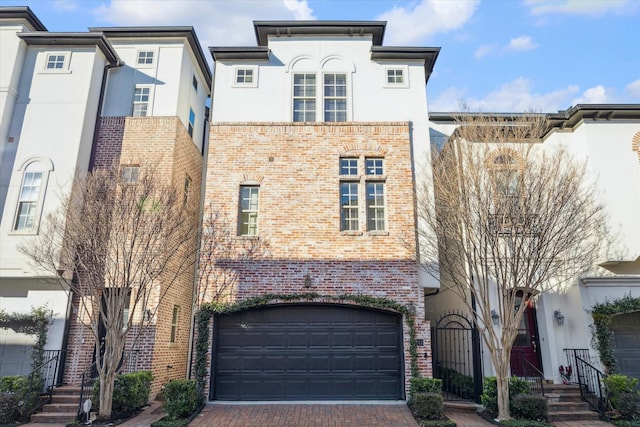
(405, 75)
(321, 98)
(190, 123)
(65, 67)
(149, 104)
(153, 63)
(46, 169)
(253, 83)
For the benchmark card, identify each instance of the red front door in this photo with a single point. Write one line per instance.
(524, 353)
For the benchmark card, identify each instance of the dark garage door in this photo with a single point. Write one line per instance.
(626, 343)
(308, 352)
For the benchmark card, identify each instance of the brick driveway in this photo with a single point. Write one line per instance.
(382, 414)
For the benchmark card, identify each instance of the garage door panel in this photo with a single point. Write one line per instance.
(318, 352)
(626, 343)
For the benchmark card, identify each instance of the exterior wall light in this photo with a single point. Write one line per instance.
(559, 317)
(495, 317)
(307, 281)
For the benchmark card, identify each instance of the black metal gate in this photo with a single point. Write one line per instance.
(457, 357)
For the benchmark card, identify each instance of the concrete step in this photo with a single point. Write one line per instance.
(53, 417)
(69, 389)
(567, 406)
(65, 398)
(460, 406)
(580, 415)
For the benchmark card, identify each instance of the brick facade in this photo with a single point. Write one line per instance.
(164, 143)
(297, 169)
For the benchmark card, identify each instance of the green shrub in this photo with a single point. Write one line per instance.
(457, 383)
(626, 423)
(425, 385)
(427, 406)
(617, 385)
(181, 398)
(9, 409)
(628, 405)
(489, 396)
(14, 384)
(437, 423)
(523, 423)
(130, 392)
(529, 407)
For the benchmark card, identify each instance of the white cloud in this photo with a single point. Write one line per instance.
(577, 7)
(425, 18)
(633, 90)
(66, 5)
(595, 95)
(514, 96)
(521, 43)
(217, 23)
(484, 50)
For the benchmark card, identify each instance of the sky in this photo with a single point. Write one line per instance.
(496, 55)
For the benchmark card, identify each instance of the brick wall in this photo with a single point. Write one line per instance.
(164, 143)
(297, 169)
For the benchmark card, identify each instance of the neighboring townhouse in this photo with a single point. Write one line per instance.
(78, 101)
(558, 326)
(311, 150)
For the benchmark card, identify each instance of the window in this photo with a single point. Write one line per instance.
(348, 166)
(374, 166)
(335, 97)
(508, 217)
(55, 62)
(28, 201)
(304, 98)
(129, 174)
(349, 206)
(145, 57)
(375, 206)
(194, 83)
(187, 189)
(141, 98)
(174, 323)
(371, 184)
(192, 121)
(248, 223)
(244, 76)
(395, 76)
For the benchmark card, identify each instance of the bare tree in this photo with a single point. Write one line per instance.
(119, 242)
(508, 218)
(222, 254)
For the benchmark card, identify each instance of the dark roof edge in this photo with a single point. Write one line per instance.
(428, 54)
(162, 31)
(264, 29)
(22, 12)
(258, 53)
(73, 39)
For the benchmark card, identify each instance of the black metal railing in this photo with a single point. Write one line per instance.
(533, 376)
(86, 385)
(572, 353)
(590, 379)
(41, 382)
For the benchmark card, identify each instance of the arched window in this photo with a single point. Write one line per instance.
(33, 186)
(635, 143)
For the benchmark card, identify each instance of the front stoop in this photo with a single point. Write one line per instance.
(63, 407)
(565, 404)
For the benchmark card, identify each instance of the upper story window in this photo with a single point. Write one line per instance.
(396, 76)
(129, 173)
(194, 82)
(304, 97)
(192, 121)
(35, 174)
(145, 57)
(187, 190)
(56, 62)
(248, 210)
(335, 97)
(174, 324)
(369, 187)
(141, 100)
(245, 76)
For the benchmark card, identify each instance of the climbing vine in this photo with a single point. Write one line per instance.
(602, 336)
(209, 309)
(34, 323)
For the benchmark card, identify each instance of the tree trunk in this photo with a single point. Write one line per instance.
(502, 379)
(107, 382)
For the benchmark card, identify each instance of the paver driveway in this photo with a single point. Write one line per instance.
(305, 415)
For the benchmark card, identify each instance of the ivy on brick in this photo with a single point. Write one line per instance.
(602, 336)
(208, 310)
